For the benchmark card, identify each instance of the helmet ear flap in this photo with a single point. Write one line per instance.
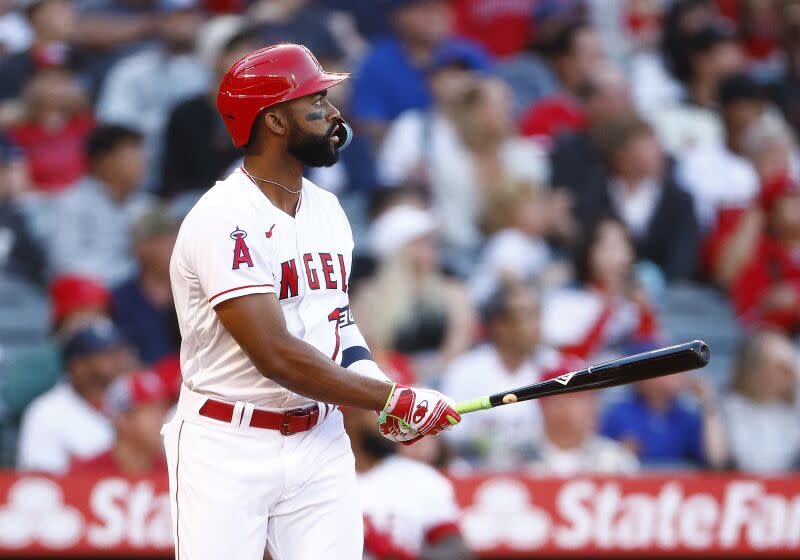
(345, 134)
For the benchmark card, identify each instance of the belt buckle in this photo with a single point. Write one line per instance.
(288, 414)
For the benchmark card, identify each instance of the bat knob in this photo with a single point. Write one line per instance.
(509, 398)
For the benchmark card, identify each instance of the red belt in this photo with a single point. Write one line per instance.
(287, 422)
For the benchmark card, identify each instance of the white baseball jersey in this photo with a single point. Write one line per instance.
(233, 243)
(400, 519)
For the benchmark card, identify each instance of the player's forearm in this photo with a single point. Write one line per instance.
(301, 368)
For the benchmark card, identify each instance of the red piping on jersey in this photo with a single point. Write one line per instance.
(241, 288)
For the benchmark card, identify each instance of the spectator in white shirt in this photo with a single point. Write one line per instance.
(66, 422)
(571, 443)
(762, 410)
(511, 357)
(141, 89)
(91, 220)
(720, 175)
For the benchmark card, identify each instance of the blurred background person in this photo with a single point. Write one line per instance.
(762, 415)
(766, 291)
(576, 160)
(519, 219)
(409, 305)
(655, 421)
(573, 53)
(75, 302)
(640, 191)
(608, 310)
(711, 54)
(142, 306)
(197, 148)
(571, 443)
(395, 527)
(90, 222)
(137, 405)
(512, 356)
(54, 129)
(66, 422)
(391, 77)
(140, 90)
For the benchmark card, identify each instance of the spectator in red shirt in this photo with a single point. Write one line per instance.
(137, 404)
(767, 290)
(573, 54)
(54, 131)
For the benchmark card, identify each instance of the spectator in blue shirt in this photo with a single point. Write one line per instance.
(656, 423)
(142, 307)
(392, 77)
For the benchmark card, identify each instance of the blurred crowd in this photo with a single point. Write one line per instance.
(528, 179)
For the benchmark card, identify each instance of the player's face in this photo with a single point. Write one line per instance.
(313, 130)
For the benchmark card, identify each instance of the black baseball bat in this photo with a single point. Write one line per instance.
(656, 363)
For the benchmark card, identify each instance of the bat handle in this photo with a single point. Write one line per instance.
(472, 405)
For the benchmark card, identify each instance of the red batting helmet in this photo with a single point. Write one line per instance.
(264, 78)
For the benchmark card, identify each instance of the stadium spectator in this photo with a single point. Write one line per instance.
(295, 21)
(53, 23)
(391, 78)
(395, 526)
(419, 141)
(137, 405)
(516, 219)
(655, 421)
(91, 220)
(573, 53)
(21, 253)
(719, 175)
(576, 160)
(492, 156)
(142, 306)
(609, 311)
(762, 411)
(140, 90)
(786, 90)
(571, 443)
(66, 421)
(714, 53)
(503, 28)
(767, 289)
(641, 192)
(197, 148)
(15, 32)
(75, 302)
(54, 130)
(409, 305)
(512, 356)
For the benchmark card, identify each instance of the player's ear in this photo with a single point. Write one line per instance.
(276, 122)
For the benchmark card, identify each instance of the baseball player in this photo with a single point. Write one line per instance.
(257, 451)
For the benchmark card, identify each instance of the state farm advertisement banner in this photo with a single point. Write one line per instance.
(504, 516)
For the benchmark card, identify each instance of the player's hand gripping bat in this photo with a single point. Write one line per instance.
(656, 363)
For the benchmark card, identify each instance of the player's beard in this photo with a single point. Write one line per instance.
(313, 150)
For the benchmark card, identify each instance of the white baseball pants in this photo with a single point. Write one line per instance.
(234, 488)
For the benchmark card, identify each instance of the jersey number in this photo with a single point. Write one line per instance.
(334, 316)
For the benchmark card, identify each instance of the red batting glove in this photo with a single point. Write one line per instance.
(411, 413)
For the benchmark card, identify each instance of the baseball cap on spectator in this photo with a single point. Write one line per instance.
(129, 391)
(774, 189)
(460, 54)
(97, 337)
(70, 293)
(398, 226)
(740, 87)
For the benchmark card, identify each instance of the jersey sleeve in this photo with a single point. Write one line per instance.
(229, 258)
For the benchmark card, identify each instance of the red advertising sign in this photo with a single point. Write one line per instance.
(503, 516)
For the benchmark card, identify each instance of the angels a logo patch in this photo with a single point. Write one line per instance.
(241, 252)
